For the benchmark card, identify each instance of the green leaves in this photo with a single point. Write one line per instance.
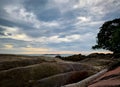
(109, 36)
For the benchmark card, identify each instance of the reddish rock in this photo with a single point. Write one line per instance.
(109, 79)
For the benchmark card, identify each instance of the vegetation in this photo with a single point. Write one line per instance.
(74, 58)
(98, 61)
(81, 57)
(109, 36)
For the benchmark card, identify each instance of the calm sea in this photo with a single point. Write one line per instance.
(49, 55)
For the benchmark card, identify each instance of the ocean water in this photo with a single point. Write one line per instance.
(53, 55)
(49, 55)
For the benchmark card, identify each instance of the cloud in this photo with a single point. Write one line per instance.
(84, 19)
(31, 49)
(64, 25)
(14, 33)
(21, 15)
(7, 30)
(86, 3)
(97, 9)
(63, 6)
(8, 46)
(58, 39)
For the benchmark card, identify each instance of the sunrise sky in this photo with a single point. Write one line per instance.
(53, 26)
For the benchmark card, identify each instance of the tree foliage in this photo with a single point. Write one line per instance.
(109, 36)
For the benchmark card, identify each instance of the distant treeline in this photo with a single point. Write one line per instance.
(80, 57)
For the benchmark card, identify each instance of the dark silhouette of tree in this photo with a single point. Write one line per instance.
(109, 36)
(58, 56)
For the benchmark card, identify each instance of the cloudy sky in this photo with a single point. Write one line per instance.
(53, 26)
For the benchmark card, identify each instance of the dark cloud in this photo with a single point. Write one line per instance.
(2, 32)
(36, 5)
(5, 22)
(16, 43)
(49, 14)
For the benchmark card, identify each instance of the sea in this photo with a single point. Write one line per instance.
(49, 55)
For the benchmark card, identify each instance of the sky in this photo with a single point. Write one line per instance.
(53, 26)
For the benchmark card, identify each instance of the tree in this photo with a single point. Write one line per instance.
(109, 36)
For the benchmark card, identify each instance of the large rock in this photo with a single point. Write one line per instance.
(21, 76)
(109, 79)
(61, 79)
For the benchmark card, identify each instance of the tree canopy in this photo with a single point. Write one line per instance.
(109, 36)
